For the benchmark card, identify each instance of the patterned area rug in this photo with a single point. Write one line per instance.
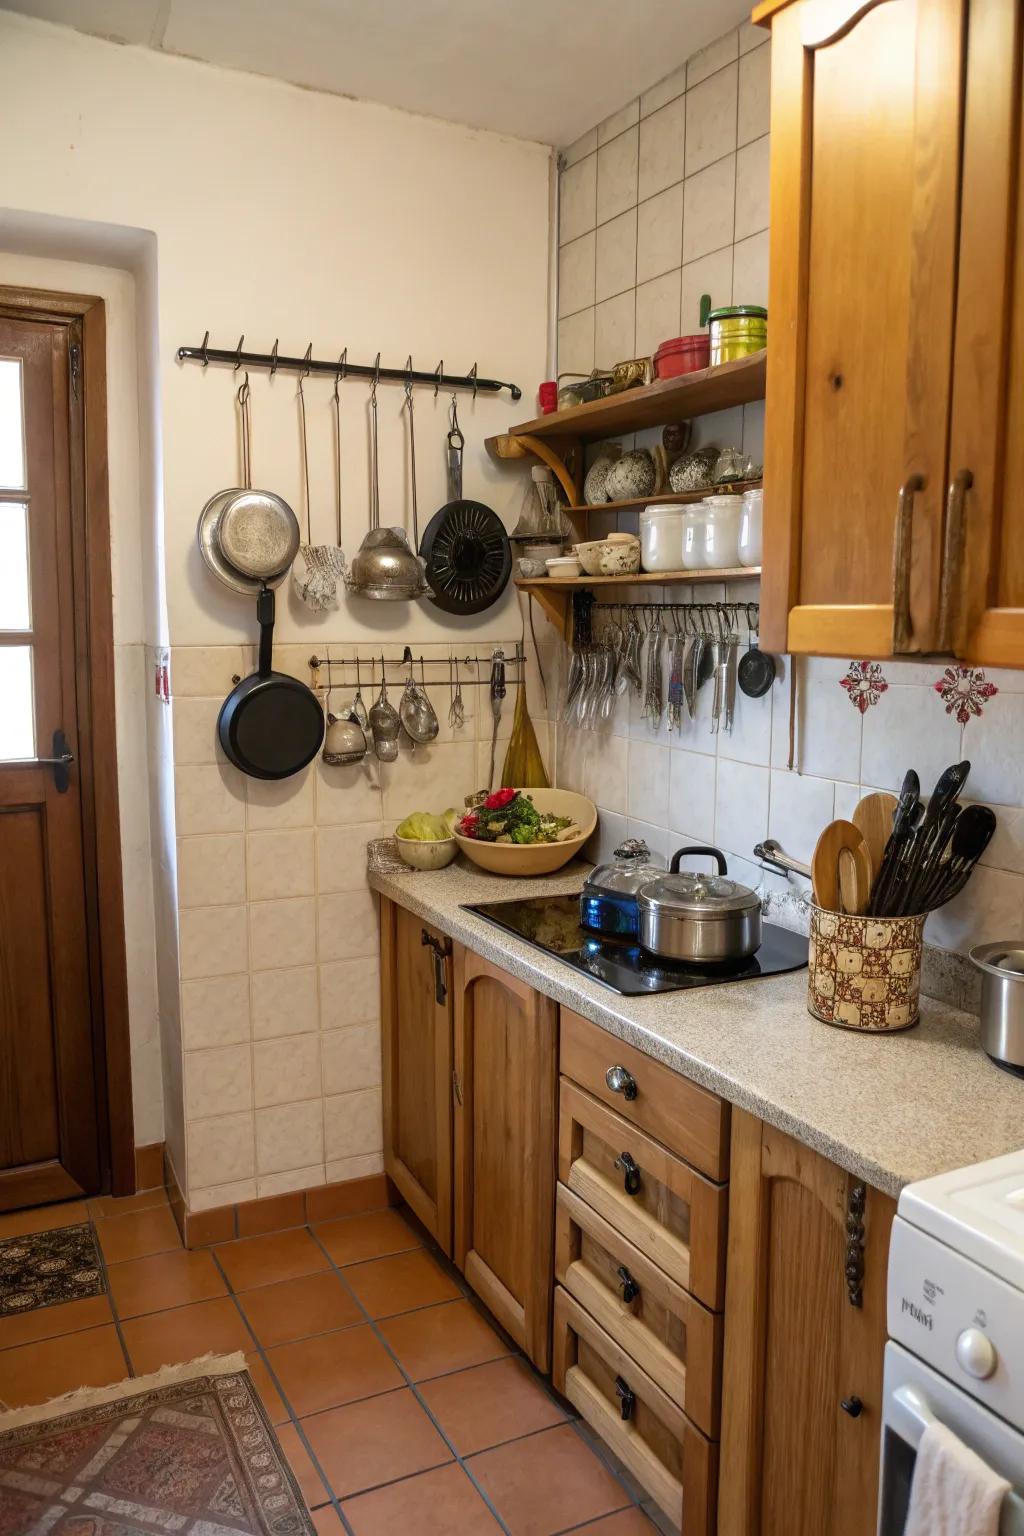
(162, 1456)
(49, 1267)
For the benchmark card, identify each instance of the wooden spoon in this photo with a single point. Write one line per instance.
(854, 880)
(825, 862)
(874, 818)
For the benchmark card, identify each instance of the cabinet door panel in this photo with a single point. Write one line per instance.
(985, 538)
(417, 1058)
(865, 156)
(505, 1066)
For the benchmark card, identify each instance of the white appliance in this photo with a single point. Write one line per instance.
(956, 1329)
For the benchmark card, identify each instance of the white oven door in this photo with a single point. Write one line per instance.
(915, 1395)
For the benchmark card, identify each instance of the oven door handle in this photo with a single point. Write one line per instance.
(909, 1415)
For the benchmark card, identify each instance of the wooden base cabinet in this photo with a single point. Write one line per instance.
(804, 1341)
(416, 1044)
(505, 1082)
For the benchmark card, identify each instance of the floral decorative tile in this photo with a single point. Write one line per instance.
(49, 1267)
(864, 684)
(964, 691)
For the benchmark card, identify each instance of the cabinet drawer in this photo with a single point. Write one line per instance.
(670, 1458)
(688, 1119)
(675, 1340)
(671, 1213)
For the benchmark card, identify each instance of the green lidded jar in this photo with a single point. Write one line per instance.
(736, 331)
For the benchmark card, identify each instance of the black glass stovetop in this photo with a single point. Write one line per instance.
(552, 923)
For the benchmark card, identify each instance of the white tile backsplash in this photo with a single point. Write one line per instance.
(662, 146)
(711, 119)
(616, 175)
(659, 241)
(616, 256)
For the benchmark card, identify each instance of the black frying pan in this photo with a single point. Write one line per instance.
(270, 725)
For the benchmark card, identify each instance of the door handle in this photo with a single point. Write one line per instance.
(627, 1398)
(630, 1172)
(952, 554)
(853, 1406)
(439, 953)
(627, 1285)
(902, 628)
(60, 762)
(621, 1081)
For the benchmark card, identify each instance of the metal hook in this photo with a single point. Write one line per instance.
(376, 377)
(438, 371)
(273, 358)
(243, 389)
(306, 359)
(204, 350)
(408, 377)
(473, 375)
(454, 430)
(238, 354)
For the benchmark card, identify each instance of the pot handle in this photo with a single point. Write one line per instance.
(684, 853)
(265, 606)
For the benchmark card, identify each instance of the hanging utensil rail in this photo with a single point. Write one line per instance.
(400, 664)
(436, 378)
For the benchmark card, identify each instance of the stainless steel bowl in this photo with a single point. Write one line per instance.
(1002, 1002)
(386, 568)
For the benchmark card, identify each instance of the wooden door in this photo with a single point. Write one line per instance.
(866, 109)
(49, 1133)
(505, 1089)
(983, 618)
(416, 1012)
(804, 1341)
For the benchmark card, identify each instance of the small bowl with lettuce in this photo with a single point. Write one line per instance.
(425, 841)
(525, 832)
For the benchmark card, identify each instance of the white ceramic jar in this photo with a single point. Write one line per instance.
(661, 537)
(721, 532)
(694, 531)
(751, 540)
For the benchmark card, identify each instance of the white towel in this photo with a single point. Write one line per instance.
(954, 1493)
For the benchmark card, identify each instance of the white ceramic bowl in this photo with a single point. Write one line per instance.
(564, 565)
(526, 859)
(432, 854)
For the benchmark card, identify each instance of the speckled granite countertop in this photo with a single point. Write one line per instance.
(887, 1108)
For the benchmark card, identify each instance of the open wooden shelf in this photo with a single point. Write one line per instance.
(673, 498)
(554, 593)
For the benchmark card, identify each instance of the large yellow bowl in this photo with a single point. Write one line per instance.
(526, 859)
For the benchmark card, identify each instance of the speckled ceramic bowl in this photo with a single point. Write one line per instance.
(620, 559)
(589, 556)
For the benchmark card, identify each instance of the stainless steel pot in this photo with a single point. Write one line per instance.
(702, 919)
(1002, 1002)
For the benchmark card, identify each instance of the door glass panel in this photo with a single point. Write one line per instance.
(12, 426)
(17, 716)
(14, 577)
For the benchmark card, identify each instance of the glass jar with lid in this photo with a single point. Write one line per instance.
(751, 540)
(694, 537)
(721, 532)
(608, 900)
(661, 537)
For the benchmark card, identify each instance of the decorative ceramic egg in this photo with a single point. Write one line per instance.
(693, 471)
(595, 485)
(633, 476)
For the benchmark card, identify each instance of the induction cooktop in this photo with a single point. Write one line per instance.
(552, 924)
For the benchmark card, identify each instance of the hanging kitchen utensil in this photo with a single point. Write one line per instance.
(465, 546)
(385, 723)
(320, 567)
(524, 766)
(344, 740)
(247, 538)
(457, 708)
(415, 709)
(358, 707)
(385, 567)
(497, 691)
(270, 725)
(756, 670)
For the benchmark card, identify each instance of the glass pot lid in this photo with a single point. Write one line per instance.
(631, 866)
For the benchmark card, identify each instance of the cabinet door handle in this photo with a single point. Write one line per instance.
(626, 1396)
(621, 1081)
(902, 629)
(438, 953)
(627, 1285)
(956, 500)
(630, 1172)
(456, 1088)
(853, 1266)
(853, 1406)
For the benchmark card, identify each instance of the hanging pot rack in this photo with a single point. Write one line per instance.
(399, 664)
(436, 378)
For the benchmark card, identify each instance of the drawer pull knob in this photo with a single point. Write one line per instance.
(621, 1081)
(853, 1406)
(628, 1286)
(627, 1398)
(630, 1172)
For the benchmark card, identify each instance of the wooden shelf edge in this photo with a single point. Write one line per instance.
(642, 578)
(673, 498)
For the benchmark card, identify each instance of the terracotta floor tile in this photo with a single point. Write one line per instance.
(489, 1404)
(295, 1309)
(332, 1369)
(439, 1503)
(266, 1260)
(328, 1521)
(50, 1322)
(547, 1483)
(270, 1397)
(435, 1340)
(103, 1206)
(183, 1334)
(33, 1373)
(162, 1281)
(309, 1479)
(365, 1444)
(136, 1236)
(351, 1239)
(43, 1218)
(628, 1522)
(401, 1282)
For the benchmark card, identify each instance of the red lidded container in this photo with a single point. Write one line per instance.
(547, 397)
(683, 354)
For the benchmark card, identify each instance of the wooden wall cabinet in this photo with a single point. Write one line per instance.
(894, 455)
(416, 1043)
(802, 1386)
(506, 1076)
